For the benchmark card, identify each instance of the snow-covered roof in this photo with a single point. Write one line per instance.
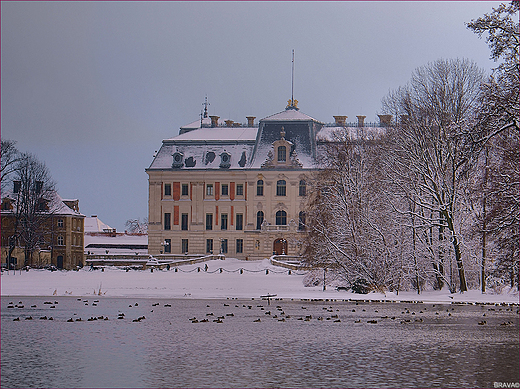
(204, 155)
(56, 205)
(93, 224)
(116, 244)
(329, 134)
(218, 134)
(205, 147)
(289, 115)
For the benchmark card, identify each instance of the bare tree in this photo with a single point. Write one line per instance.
(34, 195)
(10, 157)
(495, 144)
(349, 226)
(428, 149)
(136, 226)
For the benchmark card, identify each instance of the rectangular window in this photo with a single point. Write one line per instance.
(167, 189)
(240, 246)
(302, 188)
(223, 247)
(167, 221)
(209, 190)
(223, 220)
(184, 245)
(281, 188)
(260, 188)
(240, 189)
(184, 222)
(185, 190)
(60, 222)
(209, 246)
(225, 189)
(240, 221)
(17, 186)
(167, 246)
(209, 221)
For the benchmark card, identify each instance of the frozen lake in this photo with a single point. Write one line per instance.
(290, 343)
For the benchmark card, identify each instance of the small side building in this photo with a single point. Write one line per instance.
(103, 240)
(57, 235)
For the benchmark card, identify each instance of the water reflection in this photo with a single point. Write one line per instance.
(377, 345)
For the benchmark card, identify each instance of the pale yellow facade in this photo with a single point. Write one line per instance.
(199, 203)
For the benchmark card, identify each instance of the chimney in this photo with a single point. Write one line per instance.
(250, 121)
(340, 120)
(385, 119)
(229, 123)
(214, 121)
(361, 121)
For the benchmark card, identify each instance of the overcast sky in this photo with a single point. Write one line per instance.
(92, 88)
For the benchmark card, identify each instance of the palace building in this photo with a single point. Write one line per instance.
(238, 189)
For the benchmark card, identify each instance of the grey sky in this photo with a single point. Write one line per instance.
(92, 88)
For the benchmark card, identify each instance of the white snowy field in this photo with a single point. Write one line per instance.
(187, 282)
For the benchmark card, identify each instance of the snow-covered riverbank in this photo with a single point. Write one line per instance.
(188, 282)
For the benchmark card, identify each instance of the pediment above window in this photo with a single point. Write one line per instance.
(225, 160)
(178, 160)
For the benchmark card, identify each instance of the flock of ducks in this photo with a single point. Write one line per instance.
(278, 313)
(120, 315)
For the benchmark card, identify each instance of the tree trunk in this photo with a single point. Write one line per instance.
(458, 255)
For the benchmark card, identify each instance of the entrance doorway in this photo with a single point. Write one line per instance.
(59, 262)
(280, 246)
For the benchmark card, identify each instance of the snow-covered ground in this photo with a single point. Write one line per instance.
(187, 282)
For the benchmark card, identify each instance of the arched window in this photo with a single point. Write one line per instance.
(61, 241)
(260, 188)
(303, 188)
(282, 154)
(301, 221)
(281, 218)
(281, 188)
(259, 220)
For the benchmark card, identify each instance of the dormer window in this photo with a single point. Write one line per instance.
(177, 160)
(225, 160)
(282, 154)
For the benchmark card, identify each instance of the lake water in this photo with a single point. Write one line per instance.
(319, 344)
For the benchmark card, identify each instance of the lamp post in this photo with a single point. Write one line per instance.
(165, 244)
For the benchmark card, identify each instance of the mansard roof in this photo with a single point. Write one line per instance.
(215, 146)
(215, 134)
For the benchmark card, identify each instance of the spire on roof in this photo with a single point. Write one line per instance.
(292, 103)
